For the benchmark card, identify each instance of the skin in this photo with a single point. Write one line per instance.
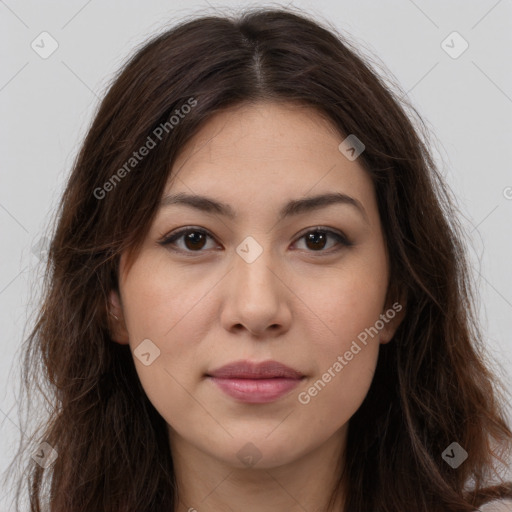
(291, 304)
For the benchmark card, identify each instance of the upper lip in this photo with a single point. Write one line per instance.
(251, 370)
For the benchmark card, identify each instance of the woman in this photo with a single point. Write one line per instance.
(257, 297)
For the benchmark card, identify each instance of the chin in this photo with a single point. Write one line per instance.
(258, 451)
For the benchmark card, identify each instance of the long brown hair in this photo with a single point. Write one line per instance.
(431, 387)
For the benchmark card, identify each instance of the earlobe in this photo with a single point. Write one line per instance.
(116, 322)
(392, 317)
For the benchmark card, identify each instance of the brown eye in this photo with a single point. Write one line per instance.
(194, 240)
(317, 240)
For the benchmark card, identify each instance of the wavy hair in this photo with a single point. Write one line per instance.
(432, 385)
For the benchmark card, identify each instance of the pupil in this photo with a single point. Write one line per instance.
(312, 237)
(194, 238)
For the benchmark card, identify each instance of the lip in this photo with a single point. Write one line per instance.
(250, 382)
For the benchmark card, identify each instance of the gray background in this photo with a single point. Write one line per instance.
(46, 106)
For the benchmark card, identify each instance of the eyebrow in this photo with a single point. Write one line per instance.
(293, 207)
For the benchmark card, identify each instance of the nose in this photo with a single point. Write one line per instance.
(256, 298)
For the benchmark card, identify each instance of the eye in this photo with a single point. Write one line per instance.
(194, 239)
(316, 239)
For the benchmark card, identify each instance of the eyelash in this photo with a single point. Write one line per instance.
(171, 238)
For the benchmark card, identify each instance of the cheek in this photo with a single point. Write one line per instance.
(345, 357)
(345, 346)
(159, 297)
(346, 303)
(345, 354)
(327, 402)
(163, 306)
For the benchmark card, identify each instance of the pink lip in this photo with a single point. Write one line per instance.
(255, 382)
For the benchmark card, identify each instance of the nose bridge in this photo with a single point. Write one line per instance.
(255, 294)
(255, 266)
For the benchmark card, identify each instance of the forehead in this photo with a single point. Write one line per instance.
(265, 132)
(265, 153)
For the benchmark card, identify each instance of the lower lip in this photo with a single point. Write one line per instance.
(256, 391)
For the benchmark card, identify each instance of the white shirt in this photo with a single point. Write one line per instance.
(497, 506)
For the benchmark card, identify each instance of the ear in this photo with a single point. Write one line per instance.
(392, 317)
(116, 322)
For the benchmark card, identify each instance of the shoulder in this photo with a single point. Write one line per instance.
(497, 506)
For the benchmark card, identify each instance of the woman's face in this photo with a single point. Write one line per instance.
(255, 284)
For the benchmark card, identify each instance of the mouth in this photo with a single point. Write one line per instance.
(255, 382)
